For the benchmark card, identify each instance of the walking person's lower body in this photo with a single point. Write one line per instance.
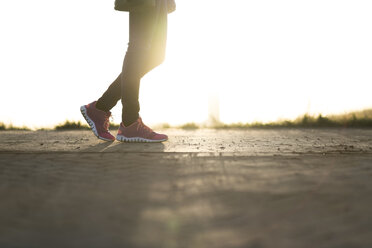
(146, 50)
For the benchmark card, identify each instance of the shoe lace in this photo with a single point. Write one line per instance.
(144, 128)
(106, 122)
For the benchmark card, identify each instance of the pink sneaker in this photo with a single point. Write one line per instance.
(98, 121)
(139, 132)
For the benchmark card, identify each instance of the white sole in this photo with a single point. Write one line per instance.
(122, 138)
(91, 124)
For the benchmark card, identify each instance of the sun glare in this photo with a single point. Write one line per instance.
(268, 61)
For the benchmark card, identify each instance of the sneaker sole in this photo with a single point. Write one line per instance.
(91, 124)
(122, 138)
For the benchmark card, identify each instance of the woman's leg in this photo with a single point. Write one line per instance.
(110, 98)
(146, 50)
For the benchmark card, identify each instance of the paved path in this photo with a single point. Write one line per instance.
(203, 188)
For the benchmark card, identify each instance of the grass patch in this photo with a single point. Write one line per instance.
(71, 125)
(190, 126)
(10, 127)
(77, 125)
(362, 119)
(165, 126)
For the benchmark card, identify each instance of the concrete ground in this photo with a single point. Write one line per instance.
(203, 188)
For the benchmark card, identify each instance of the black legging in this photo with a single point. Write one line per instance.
(146, 50)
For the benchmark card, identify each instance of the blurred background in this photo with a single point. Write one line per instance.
(239, 60)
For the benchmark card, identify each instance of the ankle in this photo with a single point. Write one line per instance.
(100, 107)
(127, 123)
(129, 118)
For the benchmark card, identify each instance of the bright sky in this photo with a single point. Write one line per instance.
(265, 59)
